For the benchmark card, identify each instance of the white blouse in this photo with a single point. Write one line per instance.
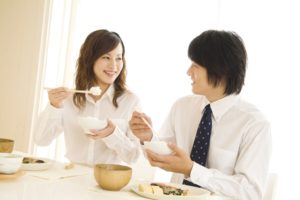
(240, 145)
(120, 146)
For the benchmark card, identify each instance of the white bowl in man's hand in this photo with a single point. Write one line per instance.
(159, 147)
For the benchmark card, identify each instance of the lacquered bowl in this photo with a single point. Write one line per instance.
(112, 176)
(6, 145)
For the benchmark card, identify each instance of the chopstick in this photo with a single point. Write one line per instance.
(73, 90)
(137, 109)
(149, 125)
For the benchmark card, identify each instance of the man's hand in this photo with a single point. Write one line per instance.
(178, 161)
(139, 125)
(109, 129)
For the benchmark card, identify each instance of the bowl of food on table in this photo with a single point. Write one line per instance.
(112, 176)
(6, 145)
(10, 163)
(171, 191)
(30, 163)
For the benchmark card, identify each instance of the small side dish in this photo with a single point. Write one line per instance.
(162, 189)
(27, 160)
(36, 164)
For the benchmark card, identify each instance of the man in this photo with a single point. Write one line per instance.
(229, 153)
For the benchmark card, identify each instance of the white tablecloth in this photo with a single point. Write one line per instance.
(60, 184)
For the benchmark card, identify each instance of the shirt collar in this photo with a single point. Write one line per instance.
(108, 94)
(220, 107)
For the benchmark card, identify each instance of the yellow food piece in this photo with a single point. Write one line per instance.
(145, 188)
(162, 189)
(157, 190)
(69, 166)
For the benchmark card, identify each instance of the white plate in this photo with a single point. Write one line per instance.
(196, 193)
(37, 166)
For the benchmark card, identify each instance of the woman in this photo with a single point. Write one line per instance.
(101, 63)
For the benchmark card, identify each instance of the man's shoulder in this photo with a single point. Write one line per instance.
(251, 111)
(190, 100)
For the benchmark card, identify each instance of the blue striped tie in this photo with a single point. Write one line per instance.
(201, 142)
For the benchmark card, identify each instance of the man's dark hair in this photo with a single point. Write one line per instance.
(223, 55)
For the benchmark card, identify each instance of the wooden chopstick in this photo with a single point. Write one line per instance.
(73, 90)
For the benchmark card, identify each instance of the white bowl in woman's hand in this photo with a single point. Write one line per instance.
(89, 123)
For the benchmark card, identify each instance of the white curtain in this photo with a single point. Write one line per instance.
(56, 70)
(156, 35)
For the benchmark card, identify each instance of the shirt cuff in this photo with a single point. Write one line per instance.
(114, 138)
(200, 175)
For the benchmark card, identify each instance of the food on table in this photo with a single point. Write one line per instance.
(29, 160)
(161, 188)
(146, 188)
(157, 190)
(69, 166)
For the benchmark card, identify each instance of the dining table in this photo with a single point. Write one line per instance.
(60, 183)
(55, 180)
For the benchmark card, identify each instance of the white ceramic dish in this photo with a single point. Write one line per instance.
(10, 163)
(88, 123)
(15, 175)
(195, 193)
(159, 147)
(37, 166)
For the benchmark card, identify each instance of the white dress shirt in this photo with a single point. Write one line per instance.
(120, 146)
(240, 145)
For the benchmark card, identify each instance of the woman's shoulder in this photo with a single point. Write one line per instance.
(129, 96)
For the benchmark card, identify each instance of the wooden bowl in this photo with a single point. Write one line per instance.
(111, 176)
(6, 145)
